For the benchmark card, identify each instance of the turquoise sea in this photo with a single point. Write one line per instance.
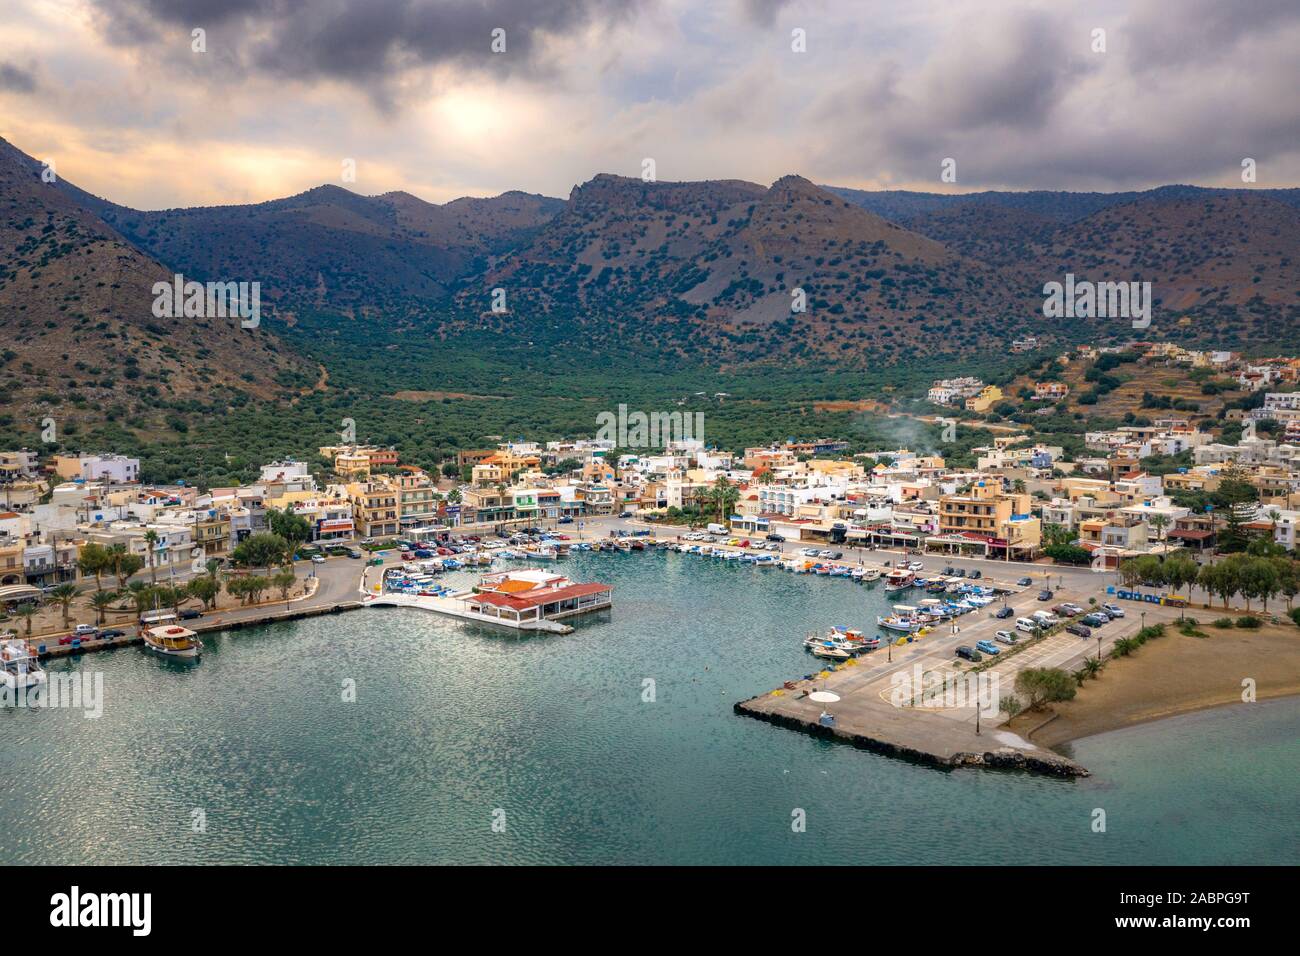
(455, 728)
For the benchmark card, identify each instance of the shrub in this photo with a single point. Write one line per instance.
(1250, 623)
(1226, 621)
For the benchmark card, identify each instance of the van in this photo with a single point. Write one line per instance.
(1027, 624)
(1046, 618)
(716, 528)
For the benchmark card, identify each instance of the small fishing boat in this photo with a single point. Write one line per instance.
(906, 625)
(870, 574)
(829, 651)
(19, 668)
(172, 640)
(898, 580)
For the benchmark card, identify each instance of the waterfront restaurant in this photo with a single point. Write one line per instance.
(518, 597)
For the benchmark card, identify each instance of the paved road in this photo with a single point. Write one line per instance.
(1002, 571)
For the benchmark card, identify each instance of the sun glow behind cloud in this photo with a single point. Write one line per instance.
(1011, 90)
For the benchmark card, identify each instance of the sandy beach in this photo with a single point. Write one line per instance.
(1174, 674)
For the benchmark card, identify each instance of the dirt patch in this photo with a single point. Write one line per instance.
(1174, 674)
(410, 395)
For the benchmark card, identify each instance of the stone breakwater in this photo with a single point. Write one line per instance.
(1000, 758)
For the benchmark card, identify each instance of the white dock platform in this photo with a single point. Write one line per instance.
(455, 605)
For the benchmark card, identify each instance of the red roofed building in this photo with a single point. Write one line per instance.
(516, 597)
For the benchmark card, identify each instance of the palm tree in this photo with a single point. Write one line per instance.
(723, 496)
(1092, 665)
(64, 594)
(141, 594)
(151, 539)
(26, 612)
(1159, 522)
(101, 601)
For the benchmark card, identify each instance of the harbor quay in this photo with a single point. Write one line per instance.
(899, 700)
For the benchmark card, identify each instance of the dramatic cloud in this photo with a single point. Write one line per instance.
(1020, 93)
(15, 79)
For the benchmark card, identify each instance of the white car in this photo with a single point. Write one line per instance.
(1114, 610)
(317, 559)
(1005, 637)
(916, 566)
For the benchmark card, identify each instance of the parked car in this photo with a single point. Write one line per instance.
(977, 573)
(565, 520)
(915, 566)
(85, 630)
(1025, 582)
(625, 514)
(1044, 595)
(959, 573)
(353, 553)
(1045, 618)
(1004, 612)
(1082, 630)
(1074, 609)
(1005, 637)
(988, 647)
(1063, 610)
(778, 538)
(1096, 620)
(948, 570)
(1114, 610)
(969, 653)
(1027, 624)
(111, 634)
(190, 614)
(835, 555)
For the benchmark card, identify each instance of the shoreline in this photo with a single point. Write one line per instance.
(1169, 677)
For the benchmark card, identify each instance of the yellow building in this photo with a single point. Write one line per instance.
(985, 400)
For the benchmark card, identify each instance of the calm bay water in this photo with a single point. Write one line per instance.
(452, 722)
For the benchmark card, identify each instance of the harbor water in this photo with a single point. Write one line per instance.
(392, 735)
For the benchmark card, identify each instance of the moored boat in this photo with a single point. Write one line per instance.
(172, 640)
(19, 668)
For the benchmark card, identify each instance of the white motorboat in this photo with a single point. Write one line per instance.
(19, 668)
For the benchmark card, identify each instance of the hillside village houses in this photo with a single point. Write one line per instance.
(52, 506)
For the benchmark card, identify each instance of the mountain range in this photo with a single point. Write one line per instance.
(718, 274)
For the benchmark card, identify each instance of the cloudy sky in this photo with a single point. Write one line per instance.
(285, 91)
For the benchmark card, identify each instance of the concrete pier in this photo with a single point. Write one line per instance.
(921, 736)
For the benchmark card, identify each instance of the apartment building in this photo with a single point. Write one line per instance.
(374, 508)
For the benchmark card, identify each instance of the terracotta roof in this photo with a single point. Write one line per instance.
(541, 596)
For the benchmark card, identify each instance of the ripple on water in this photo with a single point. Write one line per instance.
(452, 722)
